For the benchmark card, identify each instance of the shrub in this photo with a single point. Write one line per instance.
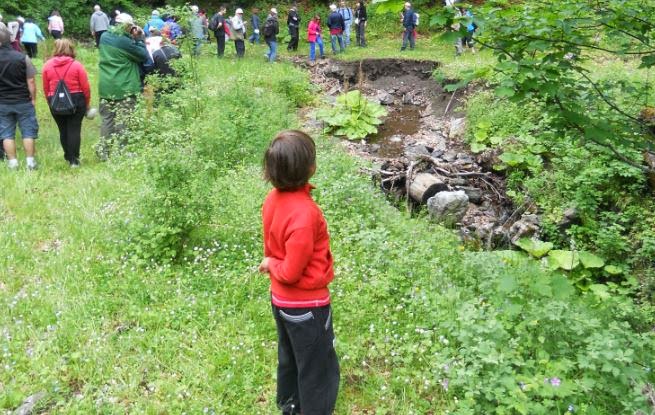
(353, 116)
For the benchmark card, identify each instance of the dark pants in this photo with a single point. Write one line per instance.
(98, 34)
(408, 36)
(30, 49)
(240, 46)
(70, 129)
(308, 369)
(293, 43)
(56, 34)
(220, 43)
(361, 37)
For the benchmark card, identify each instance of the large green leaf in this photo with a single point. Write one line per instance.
(590, 260)
(566, 260)
(534, 247)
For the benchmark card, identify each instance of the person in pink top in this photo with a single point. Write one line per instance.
(314, 38)
(55, 25)
(64, 66)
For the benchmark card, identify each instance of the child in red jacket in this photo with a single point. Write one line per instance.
(298, 260)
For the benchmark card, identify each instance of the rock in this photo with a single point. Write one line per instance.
(427, 111)
(465, 158)
(412, 98)
(27, 407)
(396, 139)
(570, 217)
(412, 152)
(449, 156)
(457, 128)
(384, 98)
(437, 153)
(448, 208)
(489, 158)
(474, 194)
(374, 148)
(522, 229)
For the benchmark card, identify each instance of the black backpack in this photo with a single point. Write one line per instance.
(61, 103)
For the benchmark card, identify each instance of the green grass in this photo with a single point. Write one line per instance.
(101, 335)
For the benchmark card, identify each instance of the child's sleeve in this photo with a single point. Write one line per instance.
(299, 247)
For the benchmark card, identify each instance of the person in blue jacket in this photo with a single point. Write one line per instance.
(254, 20)
(31, 35)
(155, 22)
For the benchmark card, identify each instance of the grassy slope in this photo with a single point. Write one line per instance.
(100, 336)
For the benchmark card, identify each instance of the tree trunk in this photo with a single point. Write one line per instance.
(426, 185)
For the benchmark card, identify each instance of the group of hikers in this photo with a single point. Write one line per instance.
(126, 56)
(127, 53)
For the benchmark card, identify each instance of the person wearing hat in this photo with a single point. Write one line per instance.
(99, 23)
(155, 22)
(122, 53)
(336, 25)
(197, 32)
(2, 25)
(271, 30)
(238, 32)
(293, 23)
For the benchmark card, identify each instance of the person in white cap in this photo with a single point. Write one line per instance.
(270, 32)
(197, 32)
(238, 33)
(14, 28)
(122, 52)
(2, 25)
(99, 23)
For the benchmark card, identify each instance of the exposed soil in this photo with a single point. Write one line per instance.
(423, 133)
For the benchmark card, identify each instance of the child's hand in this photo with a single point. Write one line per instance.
(263, 267)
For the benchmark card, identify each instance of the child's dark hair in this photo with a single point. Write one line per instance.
(289, 160)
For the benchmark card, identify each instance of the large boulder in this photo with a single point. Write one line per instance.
(457, 128)
(448, 208)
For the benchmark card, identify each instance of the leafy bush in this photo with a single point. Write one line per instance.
(353, 116)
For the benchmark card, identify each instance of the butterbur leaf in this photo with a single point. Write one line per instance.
(534, 247)
(600, 290)
(590, 260)
(504, 92)
(613, 270)
(566, 260)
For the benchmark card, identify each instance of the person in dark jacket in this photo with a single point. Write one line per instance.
(409, 20)
(254, 20)
(336, 26)
(271, 30)
(217, 25)
(293, 23)
(360, 23)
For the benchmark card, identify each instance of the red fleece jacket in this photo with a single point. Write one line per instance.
(76, 78)
(297, 242)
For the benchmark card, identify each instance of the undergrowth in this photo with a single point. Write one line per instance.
(131, 286)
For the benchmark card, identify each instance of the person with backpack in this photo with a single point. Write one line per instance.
(314, 38)
(409, 19)
(336, 25)
(471, 27)
(217, 24)
(271, 30)
(17, 99)
(254, 20)
(360, 22)
(66, 86)
(293, 23)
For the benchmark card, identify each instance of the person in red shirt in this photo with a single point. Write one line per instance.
(299, 263)
(64, 66)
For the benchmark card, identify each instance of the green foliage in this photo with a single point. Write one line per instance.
(544, 53)
(353, 116)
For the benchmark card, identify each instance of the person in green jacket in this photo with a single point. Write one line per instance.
(122, 52)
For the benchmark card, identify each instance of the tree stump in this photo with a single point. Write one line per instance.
(426, 185)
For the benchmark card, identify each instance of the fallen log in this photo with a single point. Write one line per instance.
(426, 185)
